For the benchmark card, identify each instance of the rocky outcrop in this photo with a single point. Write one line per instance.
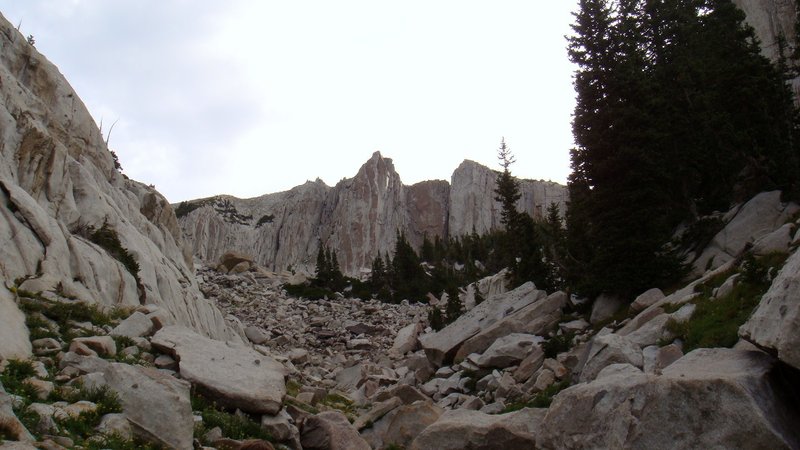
(710, 398)
(359, 217)
(441, 347)
(744, 225)
(59, 187)
(775, 323)
(14, 342)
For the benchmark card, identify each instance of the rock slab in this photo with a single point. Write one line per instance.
(233, 375)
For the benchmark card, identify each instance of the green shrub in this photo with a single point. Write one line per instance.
(106, 237)
(13, 380)
(716, 321)
(557, 344)
(232, 425)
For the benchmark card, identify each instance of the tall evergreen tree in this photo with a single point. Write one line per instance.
(677, 114)
(507, 187)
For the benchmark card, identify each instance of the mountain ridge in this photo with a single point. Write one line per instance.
(358, 217)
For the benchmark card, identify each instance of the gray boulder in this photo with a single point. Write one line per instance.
(14, 340)
(330, 430)
(442, 346)
(508, 350)
(609, 349)
(775, 323)
(710, 398)
(757, 218)
(604, 307)
(461, 428)
(156, 404)
(232, 375)
(538, 318)
(402, 425)
(646, 299)
(136, 325)
(407, 339)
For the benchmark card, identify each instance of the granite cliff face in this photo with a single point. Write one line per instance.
(59, 185)
(772, 19)
(359, 217)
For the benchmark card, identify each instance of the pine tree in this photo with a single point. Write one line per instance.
(507, 187)
(677, 115)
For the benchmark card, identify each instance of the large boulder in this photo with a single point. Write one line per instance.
(710, 398)
(232, 375)
(156, 404)
(775, 324)
(402, 425)
(330, 430)
(538, 318)
(461, 428)
(14, 339)
(442, 346)
(508, 350)
(609, 349)
(759, 217)
(407, 339)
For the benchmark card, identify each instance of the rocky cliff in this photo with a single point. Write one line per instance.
(359, 217)
(772, 19)
(71, 224)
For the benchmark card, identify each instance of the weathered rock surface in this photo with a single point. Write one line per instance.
(758, 217)
(330, 430)
(538, 317)
(9, 424)
(609, 349)
(775, 324)
(402, 425)
(460, 429)
(443, 345)
(14, 338)
(233, 375)
(58, 183)
(359, 217)
(733, 404)
(156, 404)
(508, 350)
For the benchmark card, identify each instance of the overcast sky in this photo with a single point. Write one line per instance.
(252, 97)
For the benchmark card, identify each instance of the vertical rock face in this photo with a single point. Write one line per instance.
(58, 182)
(772, 19)
(472, 203)
(359, 217)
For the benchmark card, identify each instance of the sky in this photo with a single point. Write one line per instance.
(251, 97)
